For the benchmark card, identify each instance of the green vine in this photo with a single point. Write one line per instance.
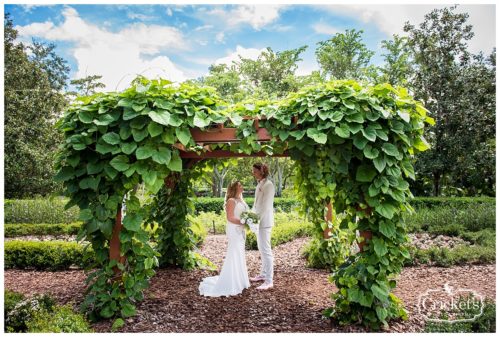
(353, 147)
(170, 208)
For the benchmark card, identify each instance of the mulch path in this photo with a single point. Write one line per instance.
(173, 304)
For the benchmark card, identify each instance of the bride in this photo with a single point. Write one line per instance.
(233, 277)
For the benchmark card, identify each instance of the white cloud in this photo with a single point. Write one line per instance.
(204, 27)
(306, 67)
(141, 17)
(28, 8)
(119, 56)
(256, 16)
(390, 19)
(219, 37)
(249, 53)
(323, 28)
(280, 28)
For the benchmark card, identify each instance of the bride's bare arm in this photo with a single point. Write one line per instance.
(230, 205)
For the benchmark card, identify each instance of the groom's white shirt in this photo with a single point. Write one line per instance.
(263, 204)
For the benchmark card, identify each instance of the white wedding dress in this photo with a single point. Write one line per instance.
(233, 277)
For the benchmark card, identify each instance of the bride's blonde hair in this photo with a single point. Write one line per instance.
(232, 190)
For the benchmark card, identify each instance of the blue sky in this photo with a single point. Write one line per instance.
(179, 42)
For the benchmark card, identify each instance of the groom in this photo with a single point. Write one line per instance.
(263, 206)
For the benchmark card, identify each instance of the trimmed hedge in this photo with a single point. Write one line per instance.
(452, 202)
(452, 220)
(36, 211)
(217, 204)
(39, 211)
(49, 255)
(13, 230)
(282, 233)
(445, 257)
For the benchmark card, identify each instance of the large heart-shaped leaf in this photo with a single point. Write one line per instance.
(120, 163)
(144, 152)
(318, 136)
(155, 129)
(132, 222)
(112, 138)
(343, 130)
(160, 116)
(365, 173)
(379, 246)
(175, 163)
(390, 149)
(162, 156)
(183, 135)
(370, 152)
(128, 148)
(386, 209)
(370, 133)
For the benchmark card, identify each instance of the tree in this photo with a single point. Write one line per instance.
(226, 80)
(56, 68)
(280, 170)
(398, 67)
(32, 104)
(272, 74)
(87, 86)
(474, 170)
(344, 56)
(215, 172)
(439, 46)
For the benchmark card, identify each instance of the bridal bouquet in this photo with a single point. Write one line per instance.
(250, 220)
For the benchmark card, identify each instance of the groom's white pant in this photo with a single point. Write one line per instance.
(266, 253)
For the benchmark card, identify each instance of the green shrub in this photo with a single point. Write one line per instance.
(217, 204)
(445, 257)
(450, 220)
(486, 322)
(282, 232)
(485, 237)
(61, 319)
(211, 220)
(49, 255)
(17, 318)
(199, 231)
(452, 202)
(23, 229)
(39, 211)
(11, 298)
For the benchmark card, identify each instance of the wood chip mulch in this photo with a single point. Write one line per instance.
(173, 304)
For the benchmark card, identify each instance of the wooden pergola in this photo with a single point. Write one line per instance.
(215, 135)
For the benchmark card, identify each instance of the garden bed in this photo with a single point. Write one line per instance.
(172, 303)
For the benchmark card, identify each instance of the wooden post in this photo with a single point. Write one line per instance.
(114, 243)
(256, 124)
(328, 218)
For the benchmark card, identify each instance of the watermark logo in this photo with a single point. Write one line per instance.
(450, 305)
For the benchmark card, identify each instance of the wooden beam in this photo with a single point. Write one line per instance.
(223, 135)
(226, 154)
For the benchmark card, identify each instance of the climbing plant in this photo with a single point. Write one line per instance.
(353, 146)
(113, 142)
(175, 241)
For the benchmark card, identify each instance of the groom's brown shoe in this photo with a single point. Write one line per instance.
(265, 286)
(257, 278)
